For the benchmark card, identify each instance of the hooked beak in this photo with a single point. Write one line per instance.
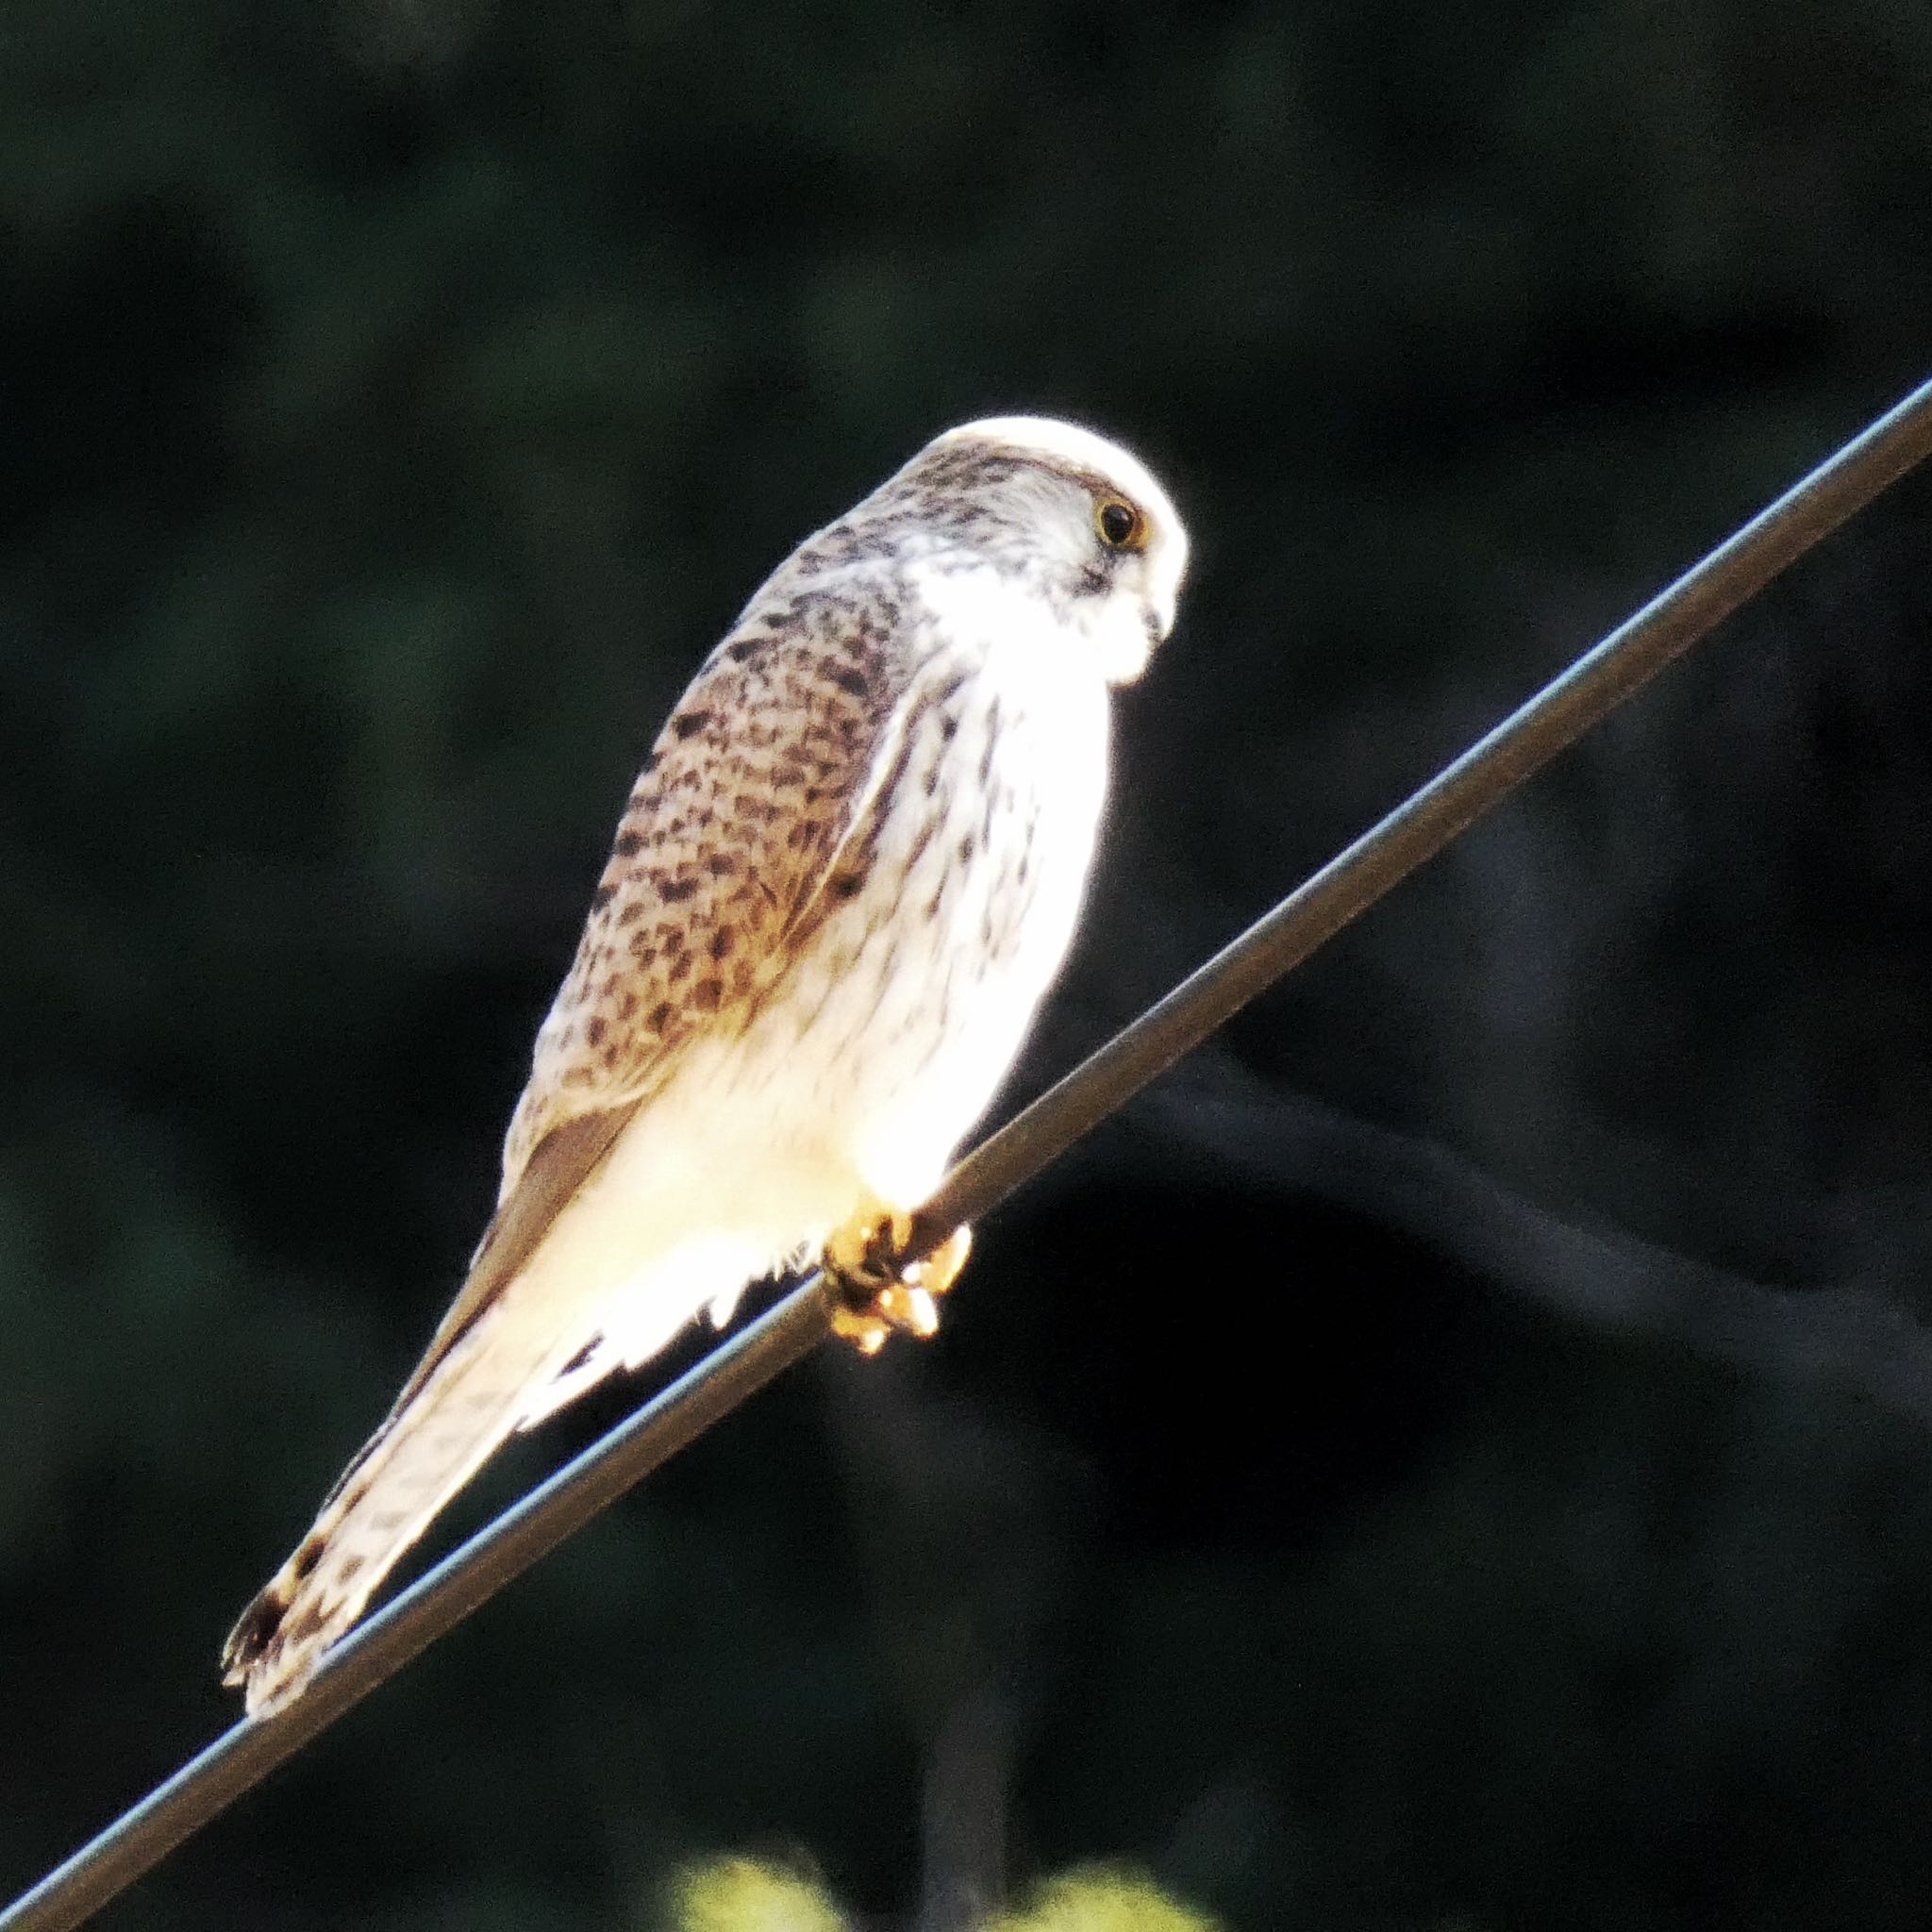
(1161, 613)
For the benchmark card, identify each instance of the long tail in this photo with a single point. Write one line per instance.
(491, 1382)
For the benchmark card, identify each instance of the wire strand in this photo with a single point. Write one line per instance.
(1593, 686)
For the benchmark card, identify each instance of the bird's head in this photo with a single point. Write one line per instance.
(1079, 516)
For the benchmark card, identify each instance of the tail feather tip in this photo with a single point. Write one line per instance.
(275, 1647)
(254, 1634)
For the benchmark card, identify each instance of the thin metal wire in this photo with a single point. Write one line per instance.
(1415, 831)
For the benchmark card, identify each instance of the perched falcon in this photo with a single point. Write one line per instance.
(843, 883)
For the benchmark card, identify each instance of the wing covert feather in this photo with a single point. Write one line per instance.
(757, 784)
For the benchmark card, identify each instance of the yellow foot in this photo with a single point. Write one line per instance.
(879, 1295)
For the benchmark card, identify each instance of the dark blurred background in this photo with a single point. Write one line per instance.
(1458, 1454)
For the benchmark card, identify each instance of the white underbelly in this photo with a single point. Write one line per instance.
(921, 989)
(878, 1050)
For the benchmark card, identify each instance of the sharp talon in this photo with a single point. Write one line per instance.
(940, 1268)
(911, 1310)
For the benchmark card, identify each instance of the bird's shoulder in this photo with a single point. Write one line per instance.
(717, 872)
(727, 835)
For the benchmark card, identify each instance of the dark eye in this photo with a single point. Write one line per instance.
(1120, 524)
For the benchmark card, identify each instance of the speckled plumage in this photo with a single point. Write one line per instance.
(841, 885)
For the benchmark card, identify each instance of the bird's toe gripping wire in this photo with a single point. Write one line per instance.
(876, 1292)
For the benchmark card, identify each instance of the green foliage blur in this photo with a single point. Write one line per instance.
(1459, 1453)
(743, 1895)
(1101, 1901)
